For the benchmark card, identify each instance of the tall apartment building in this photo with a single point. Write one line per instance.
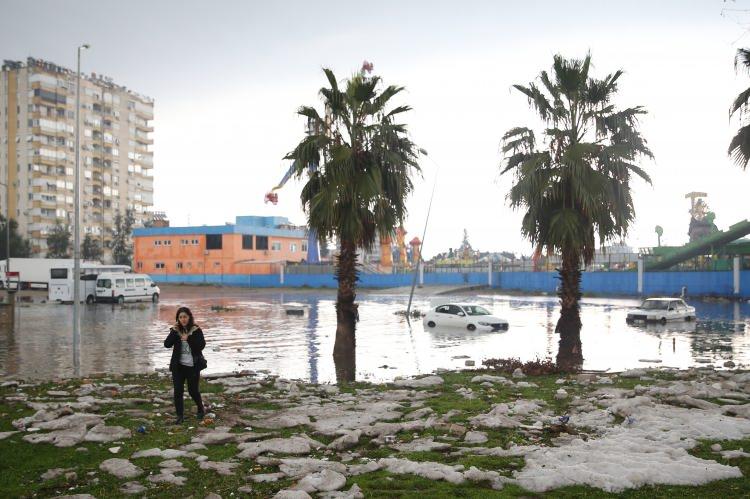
(37, 151)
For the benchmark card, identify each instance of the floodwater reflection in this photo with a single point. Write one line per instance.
(254, 330)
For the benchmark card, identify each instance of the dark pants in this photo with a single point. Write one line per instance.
(192, 375)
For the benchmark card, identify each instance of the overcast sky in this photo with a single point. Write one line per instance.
(228, 76)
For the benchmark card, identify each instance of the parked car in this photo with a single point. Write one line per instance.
(662, 310)
(471, 317)
(119, 287)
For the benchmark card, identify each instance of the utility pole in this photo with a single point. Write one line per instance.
(7, 240)
(77, 225)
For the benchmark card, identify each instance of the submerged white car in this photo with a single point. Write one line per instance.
(662, 310)
(471, 317)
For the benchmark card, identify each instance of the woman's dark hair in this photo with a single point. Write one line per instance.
(186, 310)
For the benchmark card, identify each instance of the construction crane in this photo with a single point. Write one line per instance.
(313, 252)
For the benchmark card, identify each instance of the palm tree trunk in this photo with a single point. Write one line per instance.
(344, 348)
(569, 354)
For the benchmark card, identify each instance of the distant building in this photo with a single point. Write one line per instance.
(249, 246)
(37, 151)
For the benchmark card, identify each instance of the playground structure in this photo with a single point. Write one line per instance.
(707, 242)
(721, 245)
(708, 248)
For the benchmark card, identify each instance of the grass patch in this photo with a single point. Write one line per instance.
(22, 464)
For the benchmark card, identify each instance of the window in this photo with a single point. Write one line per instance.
(261, 242)
(247, 242)
(276, 246)
(167, 242)
(304, 246)
(58, 273)
(449, 309)
(293, 247)
(104, 283)
(131, 283)
(140, 282)
(213, 241)
(195, 242)
(159, 265)
(157, 242)
(216, 264)
(179, 265)
(119, 283)
(140, 265)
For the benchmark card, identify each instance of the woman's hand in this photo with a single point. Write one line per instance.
(184, 336)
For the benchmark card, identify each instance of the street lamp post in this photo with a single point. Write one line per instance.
(77, 225)
(420, 261)
(7, 236)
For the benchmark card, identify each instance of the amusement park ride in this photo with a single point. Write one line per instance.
(708, 247)
(313, 251)
(705, 239)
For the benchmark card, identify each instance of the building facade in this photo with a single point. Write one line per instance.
(252, 245)
(37, 151)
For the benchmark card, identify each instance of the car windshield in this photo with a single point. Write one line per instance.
(475, 310)
(655, 305)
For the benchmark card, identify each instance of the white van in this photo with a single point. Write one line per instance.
(119, 287)
(61, 280)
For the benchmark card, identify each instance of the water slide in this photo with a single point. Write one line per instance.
(707, 245)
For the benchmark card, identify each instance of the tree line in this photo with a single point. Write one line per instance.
(60, 241)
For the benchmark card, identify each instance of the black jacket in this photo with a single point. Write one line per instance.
(196, 342)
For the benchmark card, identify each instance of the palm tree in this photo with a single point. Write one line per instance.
(575, 184)
(358, 163)
(739, 148)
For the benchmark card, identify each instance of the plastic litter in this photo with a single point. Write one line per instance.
(564, 419)
(141, 429)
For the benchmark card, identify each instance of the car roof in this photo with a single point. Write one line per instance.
(457, 304)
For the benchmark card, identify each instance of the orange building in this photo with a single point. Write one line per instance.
(252, 245)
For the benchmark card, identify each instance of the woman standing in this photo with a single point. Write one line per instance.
(187, 343)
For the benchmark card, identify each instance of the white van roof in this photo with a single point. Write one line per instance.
(112, 275)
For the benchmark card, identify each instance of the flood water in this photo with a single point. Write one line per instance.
(254, 332)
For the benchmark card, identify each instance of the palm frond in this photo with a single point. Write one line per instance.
(537, 99)
(740, 101)
(739, 147)
(742, 58)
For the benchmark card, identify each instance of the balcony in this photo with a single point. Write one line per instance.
(143, 143)
(145, 160)
(142, 149)
(46, 160)
(39, 202)
(144, 127)
(145, 112)
(40, 130)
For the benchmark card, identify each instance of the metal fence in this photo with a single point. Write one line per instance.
(615, 262)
